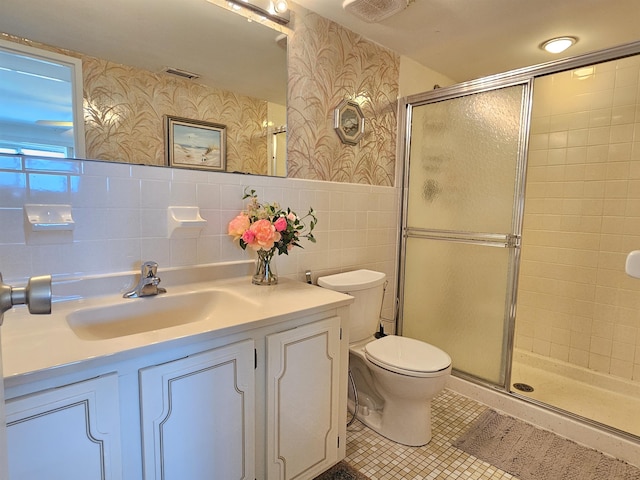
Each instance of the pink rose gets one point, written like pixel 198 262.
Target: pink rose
pixel 291 216
pixel 238 226
pixel 248 237
pixel 265 235
pixel 280 224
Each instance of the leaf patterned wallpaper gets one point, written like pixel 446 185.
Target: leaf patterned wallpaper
pixel 328 63
pixel 124 110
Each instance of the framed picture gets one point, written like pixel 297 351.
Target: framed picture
pixel 349 122
pixel 195 144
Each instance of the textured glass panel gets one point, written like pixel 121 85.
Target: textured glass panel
pixel 454 298
pixel 463 159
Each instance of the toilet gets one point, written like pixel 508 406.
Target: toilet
pixel 395 377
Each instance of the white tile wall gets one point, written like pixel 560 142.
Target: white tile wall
pixel 120 212
pixel 582 217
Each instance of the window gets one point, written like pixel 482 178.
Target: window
pixel 40 102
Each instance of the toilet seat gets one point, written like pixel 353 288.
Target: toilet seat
pixel 407 356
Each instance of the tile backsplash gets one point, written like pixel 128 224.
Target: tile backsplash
pixel 120 214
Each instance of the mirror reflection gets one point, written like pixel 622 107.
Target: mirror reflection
pixel 136 67
pixel 40 102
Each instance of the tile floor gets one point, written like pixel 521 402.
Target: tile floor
pixel 382 459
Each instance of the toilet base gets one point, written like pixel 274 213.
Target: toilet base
pixel 393 423
pixel 396 406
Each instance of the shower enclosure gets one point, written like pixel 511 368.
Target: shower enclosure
pixel 529 288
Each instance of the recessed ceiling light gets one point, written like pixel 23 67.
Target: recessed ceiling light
pixel 558 45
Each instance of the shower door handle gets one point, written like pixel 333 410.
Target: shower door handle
pixel 504 240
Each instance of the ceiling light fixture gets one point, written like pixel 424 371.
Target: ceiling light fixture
pixel 276 10
pixel 559 44
pixel 280 6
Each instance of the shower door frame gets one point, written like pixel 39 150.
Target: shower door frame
pixel 521 76
pixel 509 240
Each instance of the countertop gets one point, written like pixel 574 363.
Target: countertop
pixel 36 343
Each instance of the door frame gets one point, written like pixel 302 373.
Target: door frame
pixel 4 460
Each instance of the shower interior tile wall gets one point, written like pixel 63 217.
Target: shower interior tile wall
pixel 582 217
pixel 120 214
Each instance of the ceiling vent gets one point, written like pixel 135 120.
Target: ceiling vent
pixel 181 73
pixel 372 11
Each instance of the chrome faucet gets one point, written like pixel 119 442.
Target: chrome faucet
pixel 148 284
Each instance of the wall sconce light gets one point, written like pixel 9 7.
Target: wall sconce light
pixel 276 10
pixel 558 45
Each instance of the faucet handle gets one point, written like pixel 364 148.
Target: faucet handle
pixel 148 284
pixel 149 269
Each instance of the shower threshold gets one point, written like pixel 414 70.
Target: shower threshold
pixel 583 397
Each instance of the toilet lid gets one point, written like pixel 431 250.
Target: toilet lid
pixel 406 355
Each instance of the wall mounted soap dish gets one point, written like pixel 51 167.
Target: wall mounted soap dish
pixel 185 222
pixel 48 217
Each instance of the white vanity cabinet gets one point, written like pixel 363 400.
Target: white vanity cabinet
pixel 256 390
pixel 303 400
pixel 267 407
pixel 197 416
pixel 66 433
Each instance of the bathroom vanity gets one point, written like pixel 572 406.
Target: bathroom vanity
pixel 233 381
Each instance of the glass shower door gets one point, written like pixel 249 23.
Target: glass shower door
pixel 463 194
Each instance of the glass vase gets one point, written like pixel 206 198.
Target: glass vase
pixel 265 269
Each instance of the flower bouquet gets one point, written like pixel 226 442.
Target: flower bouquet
pixel 267 229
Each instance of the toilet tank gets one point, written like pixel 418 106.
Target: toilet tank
pixel 367 288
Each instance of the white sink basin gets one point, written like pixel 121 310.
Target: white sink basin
pixel 146 314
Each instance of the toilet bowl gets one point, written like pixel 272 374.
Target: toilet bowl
pixel 395 377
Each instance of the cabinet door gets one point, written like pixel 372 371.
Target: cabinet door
pixel 303 371
pixel 197 416
pixel 67 433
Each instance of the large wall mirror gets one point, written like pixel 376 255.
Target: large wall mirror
pixel 137 57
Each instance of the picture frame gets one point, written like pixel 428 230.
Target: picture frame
pixel 195 144
pixel 349 122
